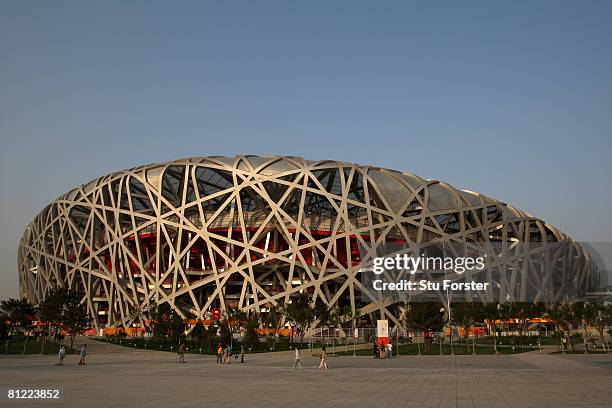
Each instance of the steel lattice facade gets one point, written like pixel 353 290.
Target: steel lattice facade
pixel 248 232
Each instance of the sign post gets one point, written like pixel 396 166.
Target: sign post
pixel 382 332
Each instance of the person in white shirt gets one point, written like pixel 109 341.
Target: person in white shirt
pixel 61 355
pixel 390 349
pixel 297 363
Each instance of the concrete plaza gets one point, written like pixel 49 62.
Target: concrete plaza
pixel 118 376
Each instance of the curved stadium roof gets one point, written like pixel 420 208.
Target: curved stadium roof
pixel 249 232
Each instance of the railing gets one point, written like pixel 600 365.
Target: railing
pixel 31 345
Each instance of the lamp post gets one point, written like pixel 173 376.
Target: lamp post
pixel 450 328
pixel 450 324
pixel 355 335
pixel 134 330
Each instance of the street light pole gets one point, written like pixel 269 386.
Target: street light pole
pixel 450 325
pixel 354 340
pixel 397 340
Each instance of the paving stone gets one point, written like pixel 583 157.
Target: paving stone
pixel 119 376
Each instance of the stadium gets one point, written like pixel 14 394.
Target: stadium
pixel 248 232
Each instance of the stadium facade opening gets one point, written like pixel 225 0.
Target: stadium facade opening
pixel 210 233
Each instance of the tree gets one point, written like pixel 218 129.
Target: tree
pixel 466 314
pixel 225 334
pixel 585 314
pixel 158 326
pixel 137 317
pixel 274 320
pixel 166 322
pixel 20 312
pixel 4 326
pixel 232 319
pixel 203 335
pixel 175 325
pixel 423 317
pixel 250 338
pixel 565 317
pixel 523 311
pixel 51 309
pixel 65 308
pixel 339 318
pixel 210 337
pixel 347 317
pixel 504 313
pixel 325 316
pixel 602 318
pixel 75 317
pixel 492 313
pixel 198 333
pixel 301 314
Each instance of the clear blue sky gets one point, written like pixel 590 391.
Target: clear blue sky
pixel 511 99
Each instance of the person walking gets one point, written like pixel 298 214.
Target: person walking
pixel 389 350
pixel 219 354
pixel 83 354
pixel 181 352
pixel 297 363
pixel 323 363
pixel 229 353
pixel 375 350
pixel 242 354
pixel 61 354
pixel 226 355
